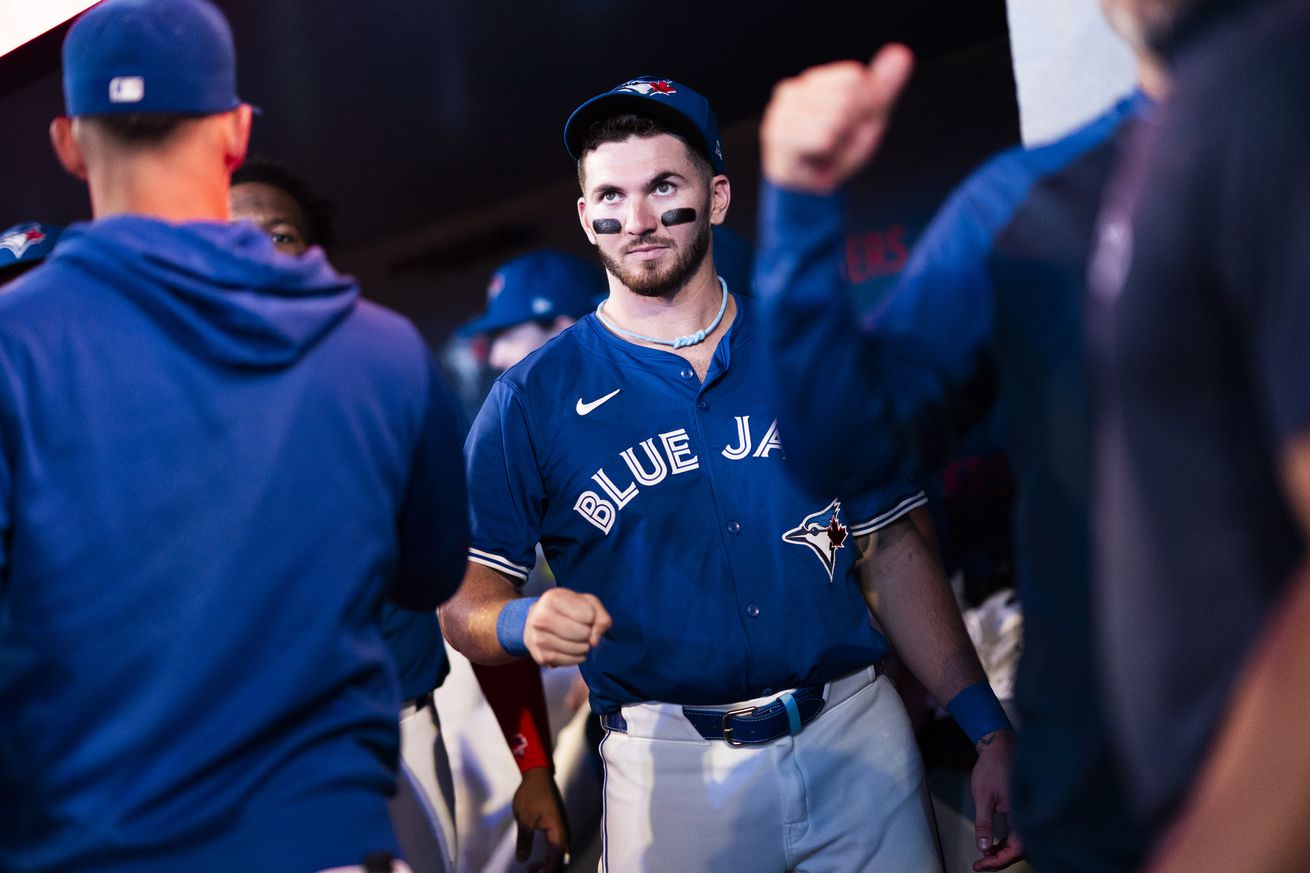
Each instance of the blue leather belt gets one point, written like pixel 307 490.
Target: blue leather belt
pixel 752 725
pixel 749 725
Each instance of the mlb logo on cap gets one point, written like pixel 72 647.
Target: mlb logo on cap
pixel 126 89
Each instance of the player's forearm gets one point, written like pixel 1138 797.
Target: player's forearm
pixel 515 695
pixel 903 581
pixel 1263 751
pixel 468 620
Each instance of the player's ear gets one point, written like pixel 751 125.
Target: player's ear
pixel 66 147
pixel 582 219
pixel 720 198
pixel 236 137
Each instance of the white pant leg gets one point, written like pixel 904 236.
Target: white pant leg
pixel 422 809
pixel 484 772
pixel 868 807
pixel 845 795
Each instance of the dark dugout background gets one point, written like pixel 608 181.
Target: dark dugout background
pixel 436 127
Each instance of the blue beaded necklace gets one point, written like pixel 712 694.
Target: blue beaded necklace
pixel 690 339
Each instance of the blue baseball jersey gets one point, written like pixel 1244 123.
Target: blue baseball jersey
pixel 670 500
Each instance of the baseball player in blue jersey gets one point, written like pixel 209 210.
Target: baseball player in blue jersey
pixel 712 602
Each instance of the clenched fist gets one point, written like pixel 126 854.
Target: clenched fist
pixel 824 125
pixel 563 626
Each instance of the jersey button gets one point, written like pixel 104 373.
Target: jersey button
pixel 734 527
pixel 687 372
pixel 702 405
pixel 753 611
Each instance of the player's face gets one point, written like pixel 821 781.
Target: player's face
pixel 275 212
pixel 636 182
pixel 513 344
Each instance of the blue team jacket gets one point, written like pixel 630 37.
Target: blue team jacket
pixel 214 462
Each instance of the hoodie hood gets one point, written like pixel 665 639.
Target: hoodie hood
pixel 220 290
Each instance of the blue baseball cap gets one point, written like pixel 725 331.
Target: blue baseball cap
pixel 150 56
pixel 26 245
pixel 662 99
pixel 538 286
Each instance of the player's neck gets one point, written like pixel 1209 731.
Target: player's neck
pixel 701 304
pixel 690 308
pixel 161 185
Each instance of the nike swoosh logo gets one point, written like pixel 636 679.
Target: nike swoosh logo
pixel 584 408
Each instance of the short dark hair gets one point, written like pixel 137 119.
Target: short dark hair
pixel 320 212
pixel 616 128
pixel 141 128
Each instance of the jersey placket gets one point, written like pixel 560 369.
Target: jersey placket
pixel 706 414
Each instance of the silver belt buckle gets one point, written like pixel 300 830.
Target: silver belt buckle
pixel 727 729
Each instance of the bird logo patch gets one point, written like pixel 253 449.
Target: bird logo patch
pixel 21 238
pixel 822 533
pixel 648 88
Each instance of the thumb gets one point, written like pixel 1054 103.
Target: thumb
pixel 982 824
pixel 886 75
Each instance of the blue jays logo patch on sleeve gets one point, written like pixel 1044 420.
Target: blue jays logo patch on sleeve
pixel 822 533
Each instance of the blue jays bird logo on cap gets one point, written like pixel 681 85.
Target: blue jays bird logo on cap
pixel 822 533
pixel 21 238
pixel 648 88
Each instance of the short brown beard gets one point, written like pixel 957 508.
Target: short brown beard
pixel 646 281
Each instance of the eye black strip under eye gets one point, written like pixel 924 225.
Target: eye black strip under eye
pixel 683 215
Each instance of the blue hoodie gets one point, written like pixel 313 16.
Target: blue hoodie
pixel 216 461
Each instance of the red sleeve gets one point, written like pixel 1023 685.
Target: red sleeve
pixel 516 697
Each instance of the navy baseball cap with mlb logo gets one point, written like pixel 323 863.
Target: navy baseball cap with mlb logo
pixel 150 56
pixel 539 286
pixel 665 100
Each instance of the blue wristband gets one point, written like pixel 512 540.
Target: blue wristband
pixel 510 623
pixel 977 711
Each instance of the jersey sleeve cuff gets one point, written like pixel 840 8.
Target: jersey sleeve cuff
pixel 906 505
pixel 496 562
